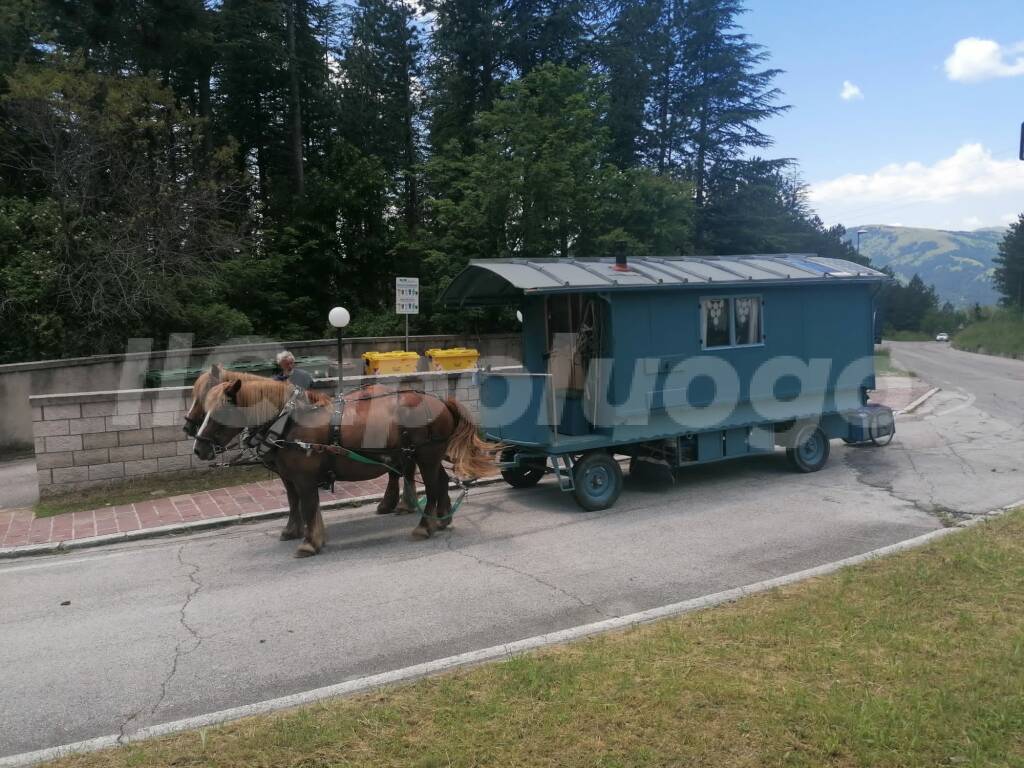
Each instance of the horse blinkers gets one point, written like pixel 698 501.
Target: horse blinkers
pixel 211 445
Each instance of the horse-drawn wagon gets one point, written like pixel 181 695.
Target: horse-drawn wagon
pixel 676 361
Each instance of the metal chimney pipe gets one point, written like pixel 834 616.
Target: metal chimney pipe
pixel 621 264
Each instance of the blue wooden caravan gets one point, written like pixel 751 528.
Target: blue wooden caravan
pixel 676 361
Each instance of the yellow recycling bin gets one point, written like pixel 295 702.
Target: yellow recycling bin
pixel 455 359
pixel 390 362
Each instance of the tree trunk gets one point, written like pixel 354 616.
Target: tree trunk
pixel 296 104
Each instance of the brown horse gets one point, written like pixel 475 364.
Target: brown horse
pixel 293 529
pixel 384 427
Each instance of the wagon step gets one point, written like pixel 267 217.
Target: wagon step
pixel 562 467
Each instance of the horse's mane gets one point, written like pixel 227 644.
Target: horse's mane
pixel 224 375
pixel 261 398
pixel 313 397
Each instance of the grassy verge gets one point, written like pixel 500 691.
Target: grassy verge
pixel 908 336
pixel 884 365
pixel 1001 335
pixel 149 488
pixel 915 660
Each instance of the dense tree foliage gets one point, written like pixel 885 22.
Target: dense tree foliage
pixel 242 166
pixel 1009 271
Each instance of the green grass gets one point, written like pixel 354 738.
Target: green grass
pixel 149 488
pixel 912 661
pixel 884 365
pixel 1000 335
pixel 908 336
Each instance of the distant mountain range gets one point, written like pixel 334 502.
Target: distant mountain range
pixel 958 264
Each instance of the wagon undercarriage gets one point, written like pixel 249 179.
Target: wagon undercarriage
pixel 594 475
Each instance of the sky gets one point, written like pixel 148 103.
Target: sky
pixel 904 112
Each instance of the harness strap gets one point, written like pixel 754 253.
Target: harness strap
pixel 337 450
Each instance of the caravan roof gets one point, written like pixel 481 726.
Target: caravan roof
pixel 503 281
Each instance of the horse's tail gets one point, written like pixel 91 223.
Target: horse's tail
pixel 470 455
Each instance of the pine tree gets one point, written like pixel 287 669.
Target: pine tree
pixel 379 104
pixel 1009 266
pixel 467 68
pixel 728 93
pixel 627 54
pixel 710 91
pixel 545 32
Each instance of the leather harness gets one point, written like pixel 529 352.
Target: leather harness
pixel 263 440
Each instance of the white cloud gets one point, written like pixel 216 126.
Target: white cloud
pixel 970 183
pixel 974 59
pixel 850 91
pixel 971 170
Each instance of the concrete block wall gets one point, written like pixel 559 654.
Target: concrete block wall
pixel 91 439
pixel 20 381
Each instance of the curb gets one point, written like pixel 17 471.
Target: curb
pixel 920 401
pixel 493 653
pixel 193 526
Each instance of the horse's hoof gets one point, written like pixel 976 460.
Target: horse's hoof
pixel 421 532
pixel 287 535
pixel 382 510
pixel 305 550
pixel 402 510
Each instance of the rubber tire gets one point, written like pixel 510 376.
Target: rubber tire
pixel 597 478
pixel 522 476
pixel 801 459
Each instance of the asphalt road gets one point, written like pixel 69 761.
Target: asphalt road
pixel 995 383
pixel 160 630
pixel 18 486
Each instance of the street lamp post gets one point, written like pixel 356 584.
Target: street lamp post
pixel 339 318
pixel 859 233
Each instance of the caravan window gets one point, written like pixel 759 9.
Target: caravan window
pixel 716 322
pixel 746 320
pixel 731 321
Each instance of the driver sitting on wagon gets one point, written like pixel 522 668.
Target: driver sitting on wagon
pixel 288 372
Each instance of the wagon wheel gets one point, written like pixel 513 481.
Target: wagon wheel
pixel 810 449
pixel 597 478
pixel 525 475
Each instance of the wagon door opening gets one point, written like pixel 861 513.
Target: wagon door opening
pixel 575 341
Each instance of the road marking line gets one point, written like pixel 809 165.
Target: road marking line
pixel 494 653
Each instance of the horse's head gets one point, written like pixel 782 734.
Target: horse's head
pixel 200 389
pixel 231 406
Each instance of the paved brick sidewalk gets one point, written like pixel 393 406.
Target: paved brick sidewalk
pixel 18 527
